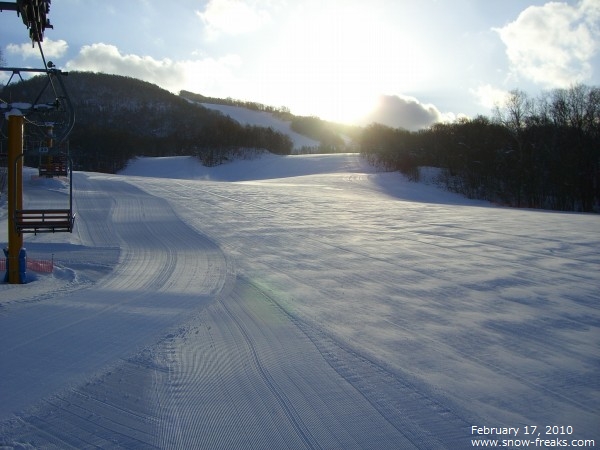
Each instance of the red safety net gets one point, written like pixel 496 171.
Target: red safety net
pixel 35 265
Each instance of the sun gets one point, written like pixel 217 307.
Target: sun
pixel 334 63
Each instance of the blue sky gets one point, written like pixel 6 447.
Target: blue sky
pixel 414 61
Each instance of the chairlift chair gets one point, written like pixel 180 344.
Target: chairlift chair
pixel 46 220
pixel 53 163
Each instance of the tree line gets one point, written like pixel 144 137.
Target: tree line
pixel 534 152
pixel 229 101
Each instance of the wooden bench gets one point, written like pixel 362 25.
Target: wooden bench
pixel 44 220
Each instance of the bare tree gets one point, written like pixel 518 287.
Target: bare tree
pixel 515 115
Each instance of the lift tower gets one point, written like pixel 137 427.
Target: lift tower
pixel 34 14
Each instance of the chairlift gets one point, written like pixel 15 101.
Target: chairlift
pixel 53 160
pixel 53 163
pixel 34 14
pixel 46 220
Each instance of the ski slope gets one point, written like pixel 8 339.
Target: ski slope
pixel 246 116
pixel 297 302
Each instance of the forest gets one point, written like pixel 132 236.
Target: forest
pixel 534 152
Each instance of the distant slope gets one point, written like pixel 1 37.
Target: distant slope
pixel 246 116
pixel 264 167
pixel 310 133
pixel 350 167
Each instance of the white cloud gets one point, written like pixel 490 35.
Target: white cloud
pixel 553 44
pixel 232 17
pixel 405 112
pixel 206 75
pixel 489 96
pixel 52 49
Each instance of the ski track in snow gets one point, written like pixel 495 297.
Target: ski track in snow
pixel 329 310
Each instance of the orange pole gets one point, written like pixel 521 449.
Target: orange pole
pixel 15 193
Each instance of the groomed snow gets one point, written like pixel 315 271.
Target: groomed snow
pixel 297 302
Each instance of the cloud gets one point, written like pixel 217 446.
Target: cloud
pixel 489 96
pixel 232 17
pixel 553 44
pixel 405 112
pixel 202 75
pixel 52 49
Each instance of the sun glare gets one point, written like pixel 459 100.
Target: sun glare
pixel 337 62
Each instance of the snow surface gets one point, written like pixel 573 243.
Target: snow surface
pixel 246 116
pixel 296 302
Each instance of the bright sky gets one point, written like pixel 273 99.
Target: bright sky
pixel 418 60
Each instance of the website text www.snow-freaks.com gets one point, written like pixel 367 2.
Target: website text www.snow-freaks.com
pixel 527 436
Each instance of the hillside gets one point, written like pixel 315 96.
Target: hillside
pixel 550 160
pixel 309 133
pixel 118 118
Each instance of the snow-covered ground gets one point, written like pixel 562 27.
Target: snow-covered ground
pixel 298 302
